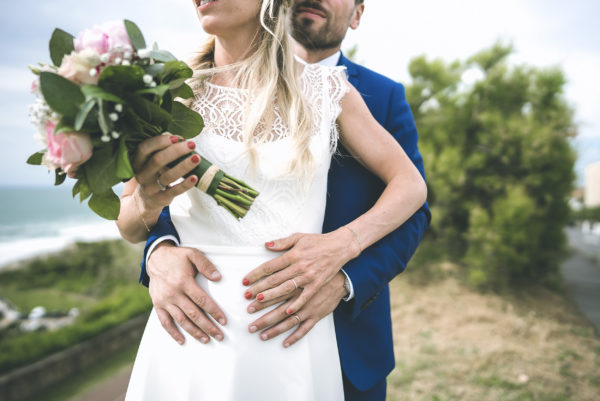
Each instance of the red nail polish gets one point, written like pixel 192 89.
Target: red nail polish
pixel 191 145
pixel 193 179
pixel 289 311
pixel 260 297
pixel 270 244
pixel 245 281
pixel 248 295
pixel 195 159
pixel 174 139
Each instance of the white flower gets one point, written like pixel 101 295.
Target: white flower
pixel 105 138
pixel 118 107
pixel 126 62
pixel 115 135
pixel 148 79
pixel 127 55
pixel 105 58
pixel 93 72
pixel 113 117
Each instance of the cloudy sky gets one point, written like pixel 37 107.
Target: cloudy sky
pixel 544 32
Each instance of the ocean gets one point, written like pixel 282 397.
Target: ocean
pixel 37 220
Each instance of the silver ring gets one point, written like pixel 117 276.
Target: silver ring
pixel 161 186
pixel 297 318
pixel 294 281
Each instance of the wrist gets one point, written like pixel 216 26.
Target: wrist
pixel 339 281
pixel 161 246
pixel 347 237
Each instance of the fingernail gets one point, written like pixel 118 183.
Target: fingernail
pixel 252 309
pixel 222 322
pixel 195 159
pixel 260 297
pixel 253 329
pixel 285 345
pixel 174 139
pixel 215 275
pixel 219 337
pixel 248 295
pixel 204 340
pixel 270 244
pixel 245 281
pixel 180 342
pixel 264 336
pixel 289 311
pixel 194 179
pixel 191 145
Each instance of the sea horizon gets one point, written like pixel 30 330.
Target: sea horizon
pixel 36 220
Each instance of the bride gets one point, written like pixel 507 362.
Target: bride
pixel 274 122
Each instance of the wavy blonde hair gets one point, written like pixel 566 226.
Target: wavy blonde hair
pixel 271 74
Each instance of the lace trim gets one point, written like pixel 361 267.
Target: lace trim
pixel 223 107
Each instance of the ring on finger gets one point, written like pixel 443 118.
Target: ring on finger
pixel 297 318
pixel 160 185
pixel 295 284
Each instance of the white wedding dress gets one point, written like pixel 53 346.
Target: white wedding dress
pixel 243 367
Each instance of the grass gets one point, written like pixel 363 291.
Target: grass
pixel 50 298
pixel 455 343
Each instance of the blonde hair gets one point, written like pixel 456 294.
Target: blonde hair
pixel 271 75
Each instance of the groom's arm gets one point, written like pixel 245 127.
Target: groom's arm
pixel 163 230
pixel 377 265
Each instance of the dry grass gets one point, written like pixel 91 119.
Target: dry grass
pixel 454 343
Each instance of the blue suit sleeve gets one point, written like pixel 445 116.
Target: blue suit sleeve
pixel 381 262
pixel 164 226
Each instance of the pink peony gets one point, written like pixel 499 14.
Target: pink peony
pixel 67 150
pixel 76 67
pixel 103 38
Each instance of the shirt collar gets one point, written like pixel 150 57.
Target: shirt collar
pixel 330 61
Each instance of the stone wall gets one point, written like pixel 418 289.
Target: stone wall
pixel 30 380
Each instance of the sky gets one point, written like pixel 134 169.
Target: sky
pixel 545 33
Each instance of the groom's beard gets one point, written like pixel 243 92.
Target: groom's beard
pixel 304 31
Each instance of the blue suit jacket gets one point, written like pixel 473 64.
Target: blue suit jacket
pixel 363 325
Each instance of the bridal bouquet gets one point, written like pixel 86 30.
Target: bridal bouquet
pixel 104 94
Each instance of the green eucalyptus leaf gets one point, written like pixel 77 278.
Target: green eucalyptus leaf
pixel 186 122
pixel 61 44
pixel 59 176
pixel 65 124
pixel 154 69
pixel 135 35
pixel 105 204
pixel 93 91
pixel 161 55
pixel 106 125
pixel 121 79
pixel 184 91
pixel 101 169
pixel 84 190
pixel 149 112
pixel 124 169
pixel 62 95
pixel 83 113
pixel 36 158
pixel 159 90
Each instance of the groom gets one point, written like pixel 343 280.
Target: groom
pixel 359 294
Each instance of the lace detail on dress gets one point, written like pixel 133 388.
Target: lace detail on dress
pixel 286 204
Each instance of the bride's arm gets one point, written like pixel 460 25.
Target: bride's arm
pixel 314 259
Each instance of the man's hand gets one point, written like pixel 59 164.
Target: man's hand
pixel 176 295
pixel 310 262
pixel 317 307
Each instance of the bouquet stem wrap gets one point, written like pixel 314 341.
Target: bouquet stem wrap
pixel 230 193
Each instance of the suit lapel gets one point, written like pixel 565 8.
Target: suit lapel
pixel 351 68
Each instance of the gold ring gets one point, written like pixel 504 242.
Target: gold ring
pixel 297 318
pixel 294 281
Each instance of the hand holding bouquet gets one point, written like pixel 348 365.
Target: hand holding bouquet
pixel 106 93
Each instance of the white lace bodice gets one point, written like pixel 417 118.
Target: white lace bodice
pixel 286 204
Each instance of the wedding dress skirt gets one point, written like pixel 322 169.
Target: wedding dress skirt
pixel 242 367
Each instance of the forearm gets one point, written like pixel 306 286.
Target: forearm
pixel 402 197
pixel 135 219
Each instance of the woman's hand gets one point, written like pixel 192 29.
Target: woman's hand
pixel 310 262
pixel 156 179
pixel 155 184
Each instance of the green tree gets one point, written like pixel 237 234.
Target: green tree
pixel 499 163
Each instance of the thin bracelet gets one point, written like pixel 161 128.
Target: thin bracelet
pixel 137 206
pixel 355 237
